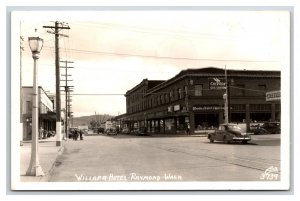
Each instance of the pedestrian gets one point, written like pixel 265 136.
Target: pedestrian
pixel 188 129
pixel 81 134
pixel 75 135
pixel 41 133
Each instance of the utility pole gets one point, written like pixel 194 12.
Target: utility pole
pixel 58 26
pixel 67 90
pixel 226 99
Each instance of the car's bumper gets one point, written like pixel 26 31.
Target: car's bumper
pixel 241 138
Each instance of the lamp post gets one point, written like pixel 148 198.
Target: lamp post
pixel 35 169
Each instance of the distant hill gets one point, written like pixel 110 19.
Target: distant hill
pixel 85 120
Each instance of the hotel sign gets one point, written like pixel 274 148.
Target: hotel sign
pixel 273 95
pixel 207 108
pixel 217 83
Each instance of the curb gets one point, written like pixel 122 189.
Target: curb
pixel 48 173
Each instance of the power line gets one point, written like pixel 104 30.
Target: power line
pixel 146 30
pixel 163 57
pixel 157 93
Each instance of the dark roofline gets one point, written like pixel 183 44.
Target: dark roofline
pixel 230 73
pixel 140 84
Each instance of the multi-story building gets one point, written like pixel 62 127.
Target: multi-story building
pixel 47 115
pixel 197 97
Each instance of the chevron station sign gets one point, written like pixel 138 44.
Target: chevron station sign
pixel 273 95
pixel 217 83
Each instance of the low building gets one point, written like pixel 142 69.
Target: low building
pixel 196 96
pixel 47 115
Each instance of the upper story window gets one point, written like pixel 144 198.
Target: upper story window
pixel 239 90
pixel 198 89
pixel 262 87
pixel 185 91
pixel 180 95
pixel 166 97
pixel 171 95
pixel 28 107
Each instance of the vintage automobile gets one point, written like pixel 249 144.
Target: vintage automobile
pixel 272 127
pixel 229 133
pixel 125 131
pixel 111 131
pixel 139 131
pixel 100 130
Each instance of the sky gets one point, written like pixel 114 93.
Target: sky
pixel 113 51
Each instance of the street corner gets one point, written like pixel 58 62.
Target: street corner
pixel 48 154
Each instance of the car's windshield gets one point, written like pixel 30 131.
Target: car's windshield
pixel 235 127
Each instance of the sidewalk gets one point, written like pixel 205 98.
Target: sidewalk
pixel 48 152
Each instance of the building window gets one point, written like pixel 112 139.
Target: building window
pixel 166 97
pixel 28 107
pixel 185 91
pixel 171 95
pixel 180 93
pixel 262 87
pixel 161 99
pixel 238 90
pixel 198 89
pixel 260 107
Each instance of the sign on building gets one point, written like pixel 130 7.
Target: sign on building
pixel 207 108
pixel 217 83
pixel 273 95
pixel 176 107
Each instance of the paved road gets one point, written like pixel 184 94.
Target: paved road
pixel 132 158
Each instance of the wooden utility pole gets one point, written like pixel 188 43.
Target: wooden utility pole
pixel 58 26
pixel 67 90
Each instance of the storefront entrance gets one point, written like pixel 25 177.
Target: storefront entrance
pixel 205 121
pixel 238 117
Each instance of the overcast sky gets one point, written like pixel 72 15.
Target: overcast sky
pixel 113 51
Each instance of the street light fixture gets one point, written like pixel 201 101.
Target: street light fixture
pixel 35 169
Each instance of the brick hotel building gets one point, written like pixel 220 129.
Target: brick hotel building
pixel 197 96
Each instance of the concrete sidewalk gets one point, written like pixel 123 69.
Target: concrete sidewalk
pixel 48 152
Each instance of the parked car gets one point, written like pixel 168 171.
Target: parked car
pixel 111 131
pixel 272 127
pixel 256 129
pixel 100 130
pixel 125 131
pixel 141 131
pixel 229 133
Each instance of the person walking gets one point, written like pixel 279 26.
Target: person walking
pixel 41 133
pixel 75 136
pixel 188 129
pixel 81 134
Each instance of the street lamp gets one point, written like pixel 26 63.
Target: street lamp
pixel 35 169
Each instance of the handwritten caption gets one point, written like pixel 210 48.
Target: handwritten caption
pixel 131 177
